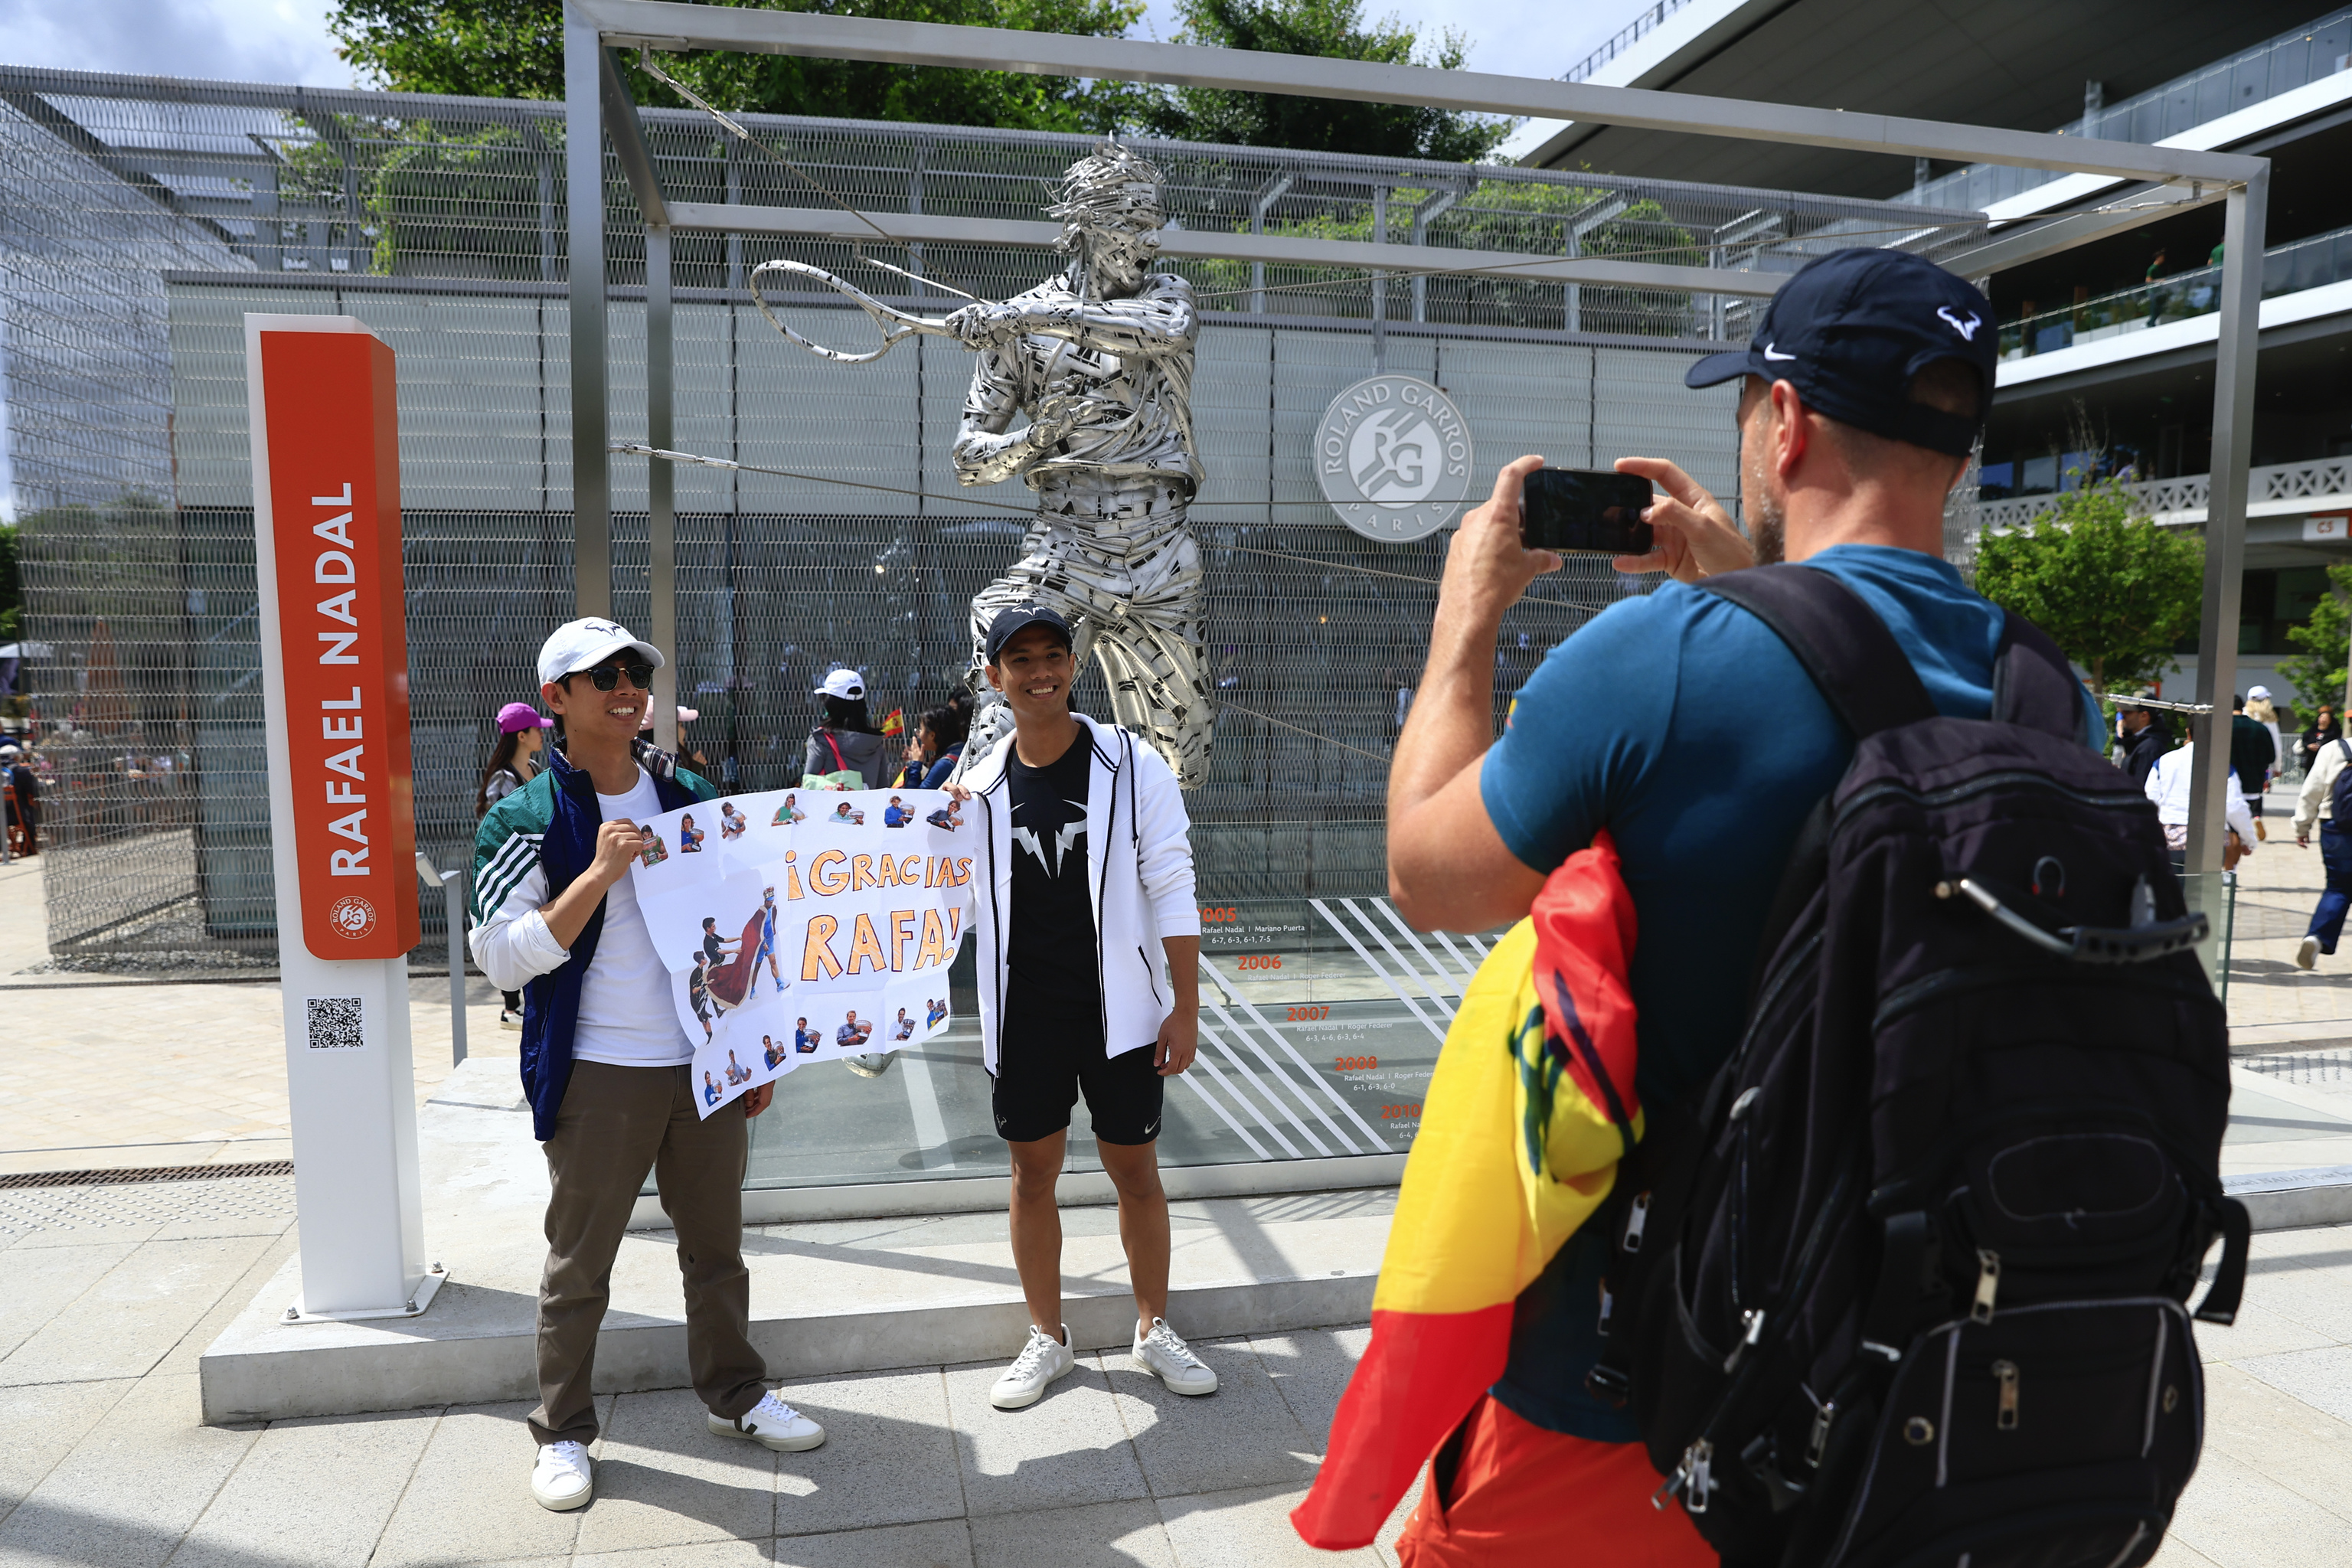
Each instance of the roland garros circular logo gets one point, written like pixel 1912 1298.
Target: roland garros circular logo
pixel 353 917
pixel 1392 452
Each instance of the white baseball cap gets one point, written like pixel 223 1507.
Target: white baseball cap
pixel 846 683
pixel 580 644
pixel 2258 694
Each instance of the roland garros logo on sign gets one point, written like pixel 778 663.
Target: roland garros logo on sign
pixel 1393 455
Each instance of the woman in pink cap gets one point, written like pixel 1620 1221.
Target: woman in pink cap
pixel 523 735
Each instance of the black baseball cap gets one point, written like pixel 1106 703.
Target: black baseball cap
pixel 1852 329
pixel 1010 623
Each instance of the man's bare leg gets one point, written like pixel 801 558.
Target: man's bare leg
pixel 1037 1228
pixel 1134 1170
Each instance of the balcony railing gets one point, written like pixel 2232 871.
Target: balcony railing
pixel 2252 76
pixel 2279 489
pixel 2288 269
pixel 1624 38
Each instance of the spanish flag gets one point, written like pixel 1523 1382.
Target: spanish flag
pixel 1530 1107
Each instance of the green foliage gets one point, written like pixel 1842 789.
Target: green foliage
pixel 1334 30
pixel 12 586
pixel 514 48
pixel 2114 591
pixel 2318 670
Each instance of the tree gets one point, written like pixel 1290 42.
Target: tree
pixel 12 585
pixel 2318 671
pixel 2114 591
pixel 1334 30
pixel 514 48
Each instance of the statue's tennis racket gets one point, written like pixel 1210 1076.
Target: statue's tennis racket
pixel 894 324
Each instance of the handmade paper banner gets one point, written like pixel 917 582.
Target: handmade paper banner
pixel 803 926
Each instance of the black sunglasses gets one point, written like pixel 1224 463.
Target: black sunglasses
pixel 607 676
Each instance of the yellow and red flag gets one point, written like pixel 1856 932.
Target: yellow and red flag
pixel 1530 1107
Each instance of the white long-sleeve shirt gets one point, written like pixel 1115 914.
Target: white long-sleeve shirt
pixel 2316 802
pixel 2168 785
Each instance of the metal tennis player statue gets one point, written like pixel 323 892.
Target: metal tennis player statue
pixel 1099 360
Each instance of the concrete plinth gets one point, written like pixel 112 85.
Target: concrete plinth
pixel 832 1294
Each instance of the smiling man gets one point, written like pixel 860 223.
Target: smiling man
pixel 605 1063
pixel 1089 981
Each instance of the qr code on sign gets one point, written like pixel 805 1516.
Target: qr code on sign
pixel 334 1022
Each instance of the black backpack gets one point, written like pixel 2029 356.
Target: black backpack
pixel 2339 796
pixel 1909 1288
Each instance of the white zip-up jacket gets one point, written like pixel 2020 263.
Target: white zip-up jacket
pixel 1140 880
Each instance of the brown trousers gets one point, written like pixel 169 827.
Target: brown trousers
pixel 616 1124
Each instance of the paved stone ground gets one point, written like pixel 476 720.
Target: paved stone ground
pixel 114 1291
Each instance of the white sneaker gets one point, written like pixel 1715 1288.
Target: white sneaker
pixel 1163 1351
pixel 871 1064
pixel 772 1424
pixel 1041 1361
pixel 562 1479
pixel 2307 955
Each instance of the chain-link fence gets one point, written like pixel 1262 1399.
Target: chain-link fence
pixel 141 219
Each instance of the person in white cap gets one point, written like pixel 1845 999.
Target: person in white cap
pixel 2262 709
pixel 844 739
pixel 605 1064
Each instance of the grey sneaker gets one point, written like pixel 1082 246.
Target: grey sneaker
pixel 563 1479
pixel 1163 1351
pixel 772 1424
pixel 871 1064
pixel 1041 1361
pixel 2307 955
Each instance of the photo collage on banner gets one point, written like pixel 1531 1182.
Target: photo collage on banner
pixel 802 925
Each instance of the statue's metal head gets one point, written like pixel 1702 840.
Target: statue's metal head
pixel 1109 195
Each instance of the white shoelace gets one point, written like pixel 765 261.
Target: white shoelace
pixel 773 1409
pixel 1170 1344
pixel 1034 1353
pixel 571 1456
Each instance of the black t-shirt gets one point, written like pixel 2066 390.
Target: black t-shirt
pixel 1051 956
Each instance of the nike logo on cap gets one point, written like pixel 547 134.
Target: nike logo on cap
pixel 1769 355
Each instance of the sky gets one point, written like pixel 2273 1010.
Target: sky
pixel 287 41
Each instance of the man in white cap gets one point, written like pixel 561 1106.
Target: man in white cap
pixel 605 1064
pixel 844 739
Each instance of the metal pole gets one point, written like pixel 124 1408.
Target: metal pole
pixel 583 168
pixel 2225 512
pixel 661 493
pixel 453 893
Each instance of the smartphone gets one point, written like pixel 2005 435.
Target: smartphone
pixel 1585 511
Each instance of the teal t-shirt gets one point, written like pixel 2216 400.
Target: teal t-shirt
pixel 1684 726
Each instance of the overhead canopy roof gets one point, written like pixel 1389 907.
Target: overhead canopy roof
pixel 2019 64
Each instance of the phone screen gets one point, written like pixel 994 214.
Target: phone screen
pixel 1585 511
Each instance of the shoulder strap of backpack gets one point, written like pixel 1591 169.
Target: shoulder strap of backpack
pixel 1859 668
pixel 2033 684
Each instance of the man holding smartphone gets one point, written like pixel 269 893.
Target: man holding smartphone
pixel 1683 725
pixel 605 1065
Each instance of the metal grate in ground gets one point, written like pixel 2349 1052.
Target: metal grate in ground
pixel 266 1202
pixel 145 1174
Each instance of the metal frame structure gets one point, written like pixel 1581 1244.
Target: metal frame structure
pixel 597 104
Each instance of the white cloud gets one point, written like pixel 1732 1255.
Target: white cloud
pixel 222 40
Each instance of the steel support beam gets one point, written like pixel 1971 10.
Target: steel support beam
pixel 2024 243
pixel 831 223
pixel 661 482
pixel 584 176
pixel 2225 514
pixel 664 25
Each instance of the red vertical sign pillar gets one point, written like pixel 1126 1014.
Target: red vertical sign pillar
pixel 334 644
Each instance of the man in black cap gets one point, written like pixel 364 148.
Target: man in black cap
pixel 1090 949
pixel 1681 724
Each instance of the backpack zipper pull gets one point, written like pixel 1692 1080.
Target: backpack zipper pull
pixel 1693 1481
pixel 1820 1445
pixel 1635 1218
pixel 1988 1285
pixel 1754 1320
pixel 2006 1371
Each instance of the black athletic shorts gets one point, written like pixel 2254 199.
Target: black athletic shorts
pixel 1041 1067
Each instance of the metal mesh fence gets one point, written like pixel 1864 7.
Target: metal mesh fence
pixel 140 220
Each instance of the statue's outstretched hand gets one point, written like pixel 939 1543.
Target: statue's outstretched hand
pixel 984 323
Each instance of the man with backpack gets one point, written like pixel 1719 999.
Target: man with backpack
pixel 2322 800
pixel 1688 726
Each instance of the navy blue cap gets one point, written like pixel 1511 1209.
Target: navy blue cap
pixel 1010 623
pixel 1852 329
